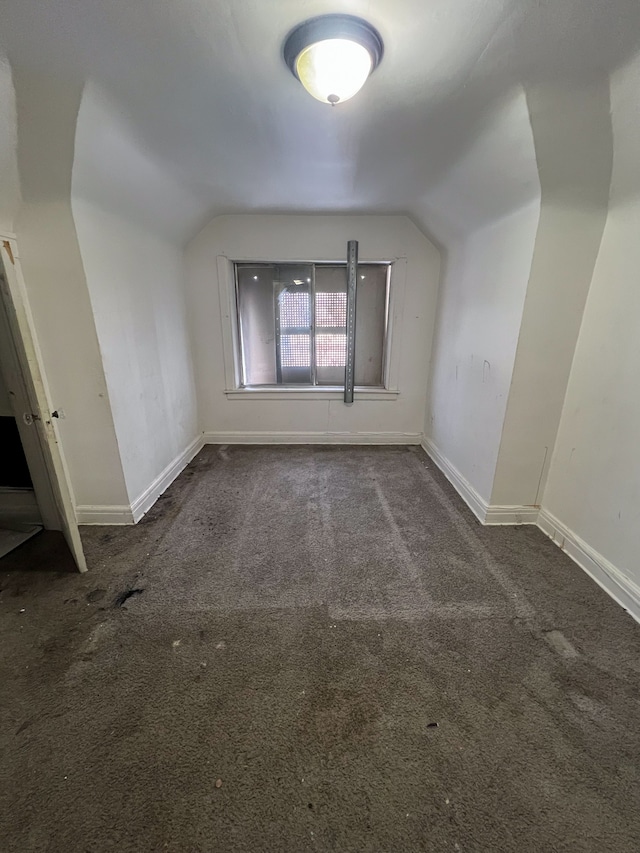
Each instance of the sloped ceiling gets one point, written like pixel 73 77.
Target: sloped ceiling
pixel 199 89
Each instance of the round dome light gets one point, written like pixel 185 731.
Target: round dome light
pixel 333 55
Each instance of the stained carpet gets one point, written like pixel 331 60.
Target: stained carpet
pixel 314 649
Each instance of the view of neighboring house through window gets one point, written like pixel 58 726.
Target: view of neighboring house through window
pixel 293 323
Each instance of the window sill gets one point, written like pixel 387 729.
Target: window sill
pixel 315 393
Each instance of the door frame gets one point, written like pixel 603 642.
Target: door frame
pixel 23 331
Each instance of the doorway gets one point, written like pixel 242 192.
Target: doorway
pixel 20 515
pixel 34 491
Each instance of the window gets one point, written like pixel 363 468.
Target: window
pixel 293 324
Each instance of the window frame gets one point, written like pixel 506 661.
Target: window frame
pixel 232 343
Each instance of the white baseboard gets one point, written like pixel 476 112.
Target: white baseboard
pixel 487 514
pixel 104 514
pixel 463 487
pixel 621 588
pixel 511 515
pixel 132 514
pixel 143 503
pixel 312 438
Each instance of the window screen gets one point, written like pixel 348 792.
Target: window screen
pixel 292 323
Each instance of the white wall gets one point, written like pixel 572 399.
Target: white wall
pixel 574 149
pixel 135 283
pixel 566 248
pixel 57 290
pixel 9 187
pixel 9 179
pixel 495 174
pixel 479 313
pixel 133 262
pixel 272 238
pixel 593 486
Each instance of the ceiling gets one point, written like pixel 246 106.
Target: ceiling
pixel 200 87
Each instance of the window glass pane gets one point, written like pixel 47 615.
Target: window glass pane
pixel 331 350
pixel 295 310
pixel 257 322
pixel 371 311
pixel 274 307
pixel 331 309
pixel 293 287
pixel 331 323
pixel 295 350
pixel 292 323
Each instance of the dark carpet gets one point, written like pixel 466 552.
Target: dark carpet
pixel 315 649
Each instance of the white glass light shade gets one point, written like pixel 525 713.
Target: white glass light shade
pixel 334 70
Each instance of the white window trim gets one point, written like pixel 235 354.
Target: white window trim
pixel 231 343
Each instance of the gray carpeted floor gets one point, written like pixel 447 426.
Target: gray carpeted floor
pixel 315 649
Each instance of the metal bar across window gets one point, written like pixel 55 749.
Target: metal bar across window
pixel 352 277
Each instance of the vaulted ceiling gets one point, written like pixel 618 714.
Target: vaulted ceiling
pixel 190 101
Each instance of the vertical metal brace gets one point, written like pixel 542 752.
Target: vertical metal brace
pixel 276 306
pixel 352 278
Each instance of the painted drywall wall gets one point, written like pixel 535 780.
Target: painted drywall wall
pixel 495 174
pixel 480 308
pixel 9 178
pixel 134 270
pixel 135 282
pixel 115 169
pixel 272 238
pixel 574 148
pixel 57 290
pixel 593 486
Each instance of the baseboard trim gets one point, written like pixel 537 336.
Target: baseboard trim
pixel 621 588
pixel 487 514
pixel 123 514
pixel 616 584
pixel 143 503
pixel 312 438
pixel 496 515
pixel 463 487
pixel 104 514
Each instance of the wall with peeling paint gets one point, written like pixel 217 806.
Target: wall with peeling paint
pixel 593 486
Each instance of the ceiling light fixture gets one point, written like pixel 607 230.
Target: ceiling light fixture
pixel 333 55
